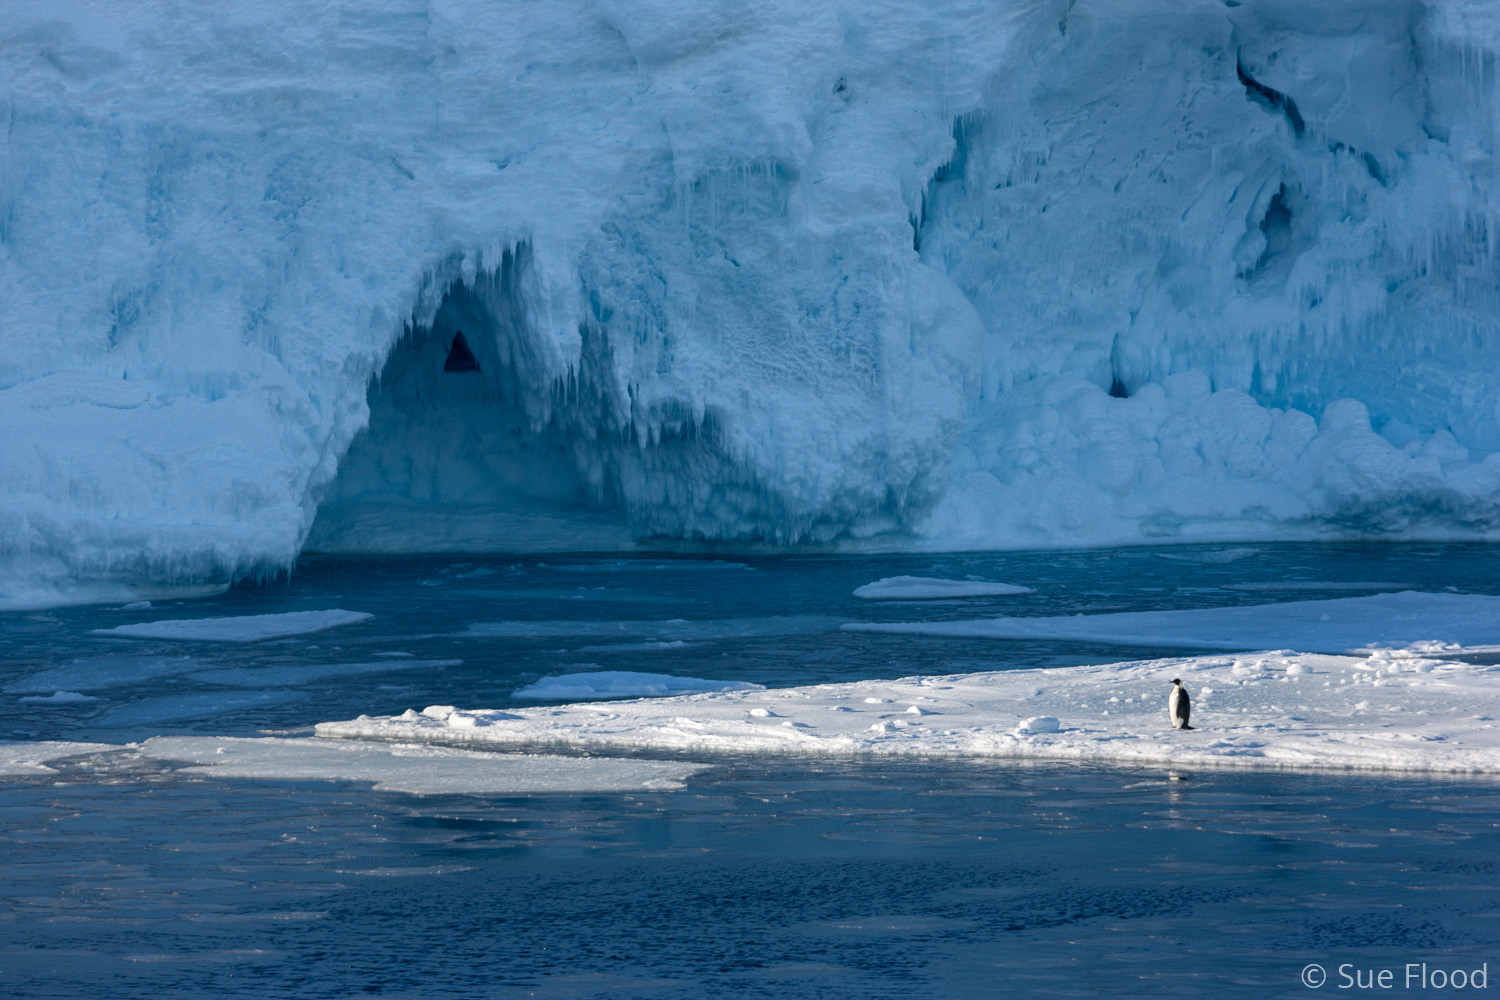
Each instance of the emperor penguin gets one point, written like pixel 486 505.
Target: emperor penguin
pixel 1179 706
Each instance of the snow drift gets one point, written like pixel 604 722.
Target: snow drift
pixel 964 275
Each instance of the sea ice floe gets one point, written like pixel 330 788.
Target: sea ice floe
pixel 1272 710
pixel 422 770
pixel 198 705
pixel 1214 557
pixel 292 676
pixel 929 587
pixel 34 758
pixel 98 672
pixel 242 628
pixel 623 684
pixel 670 629
pixel 1344 625
pixel 58 698
pixel 1279 586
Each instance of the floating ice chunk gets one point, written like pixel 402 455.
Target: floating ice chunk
pixel 1218 556
pixel 1347 624
pixel 413 769
pixel 203 705
pixel 33 758
pixel 291 676
pixel 439 712
pixel 97 672
pixel 624 684
pixel 926 587
pixel 672 629
pixel 1039 724
pixel 244 628
pixel 1324 585
pixel 645 566
pixel 58 698
pixel 461 720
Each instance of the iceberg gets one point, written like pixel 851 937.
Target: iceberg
pixel 446 276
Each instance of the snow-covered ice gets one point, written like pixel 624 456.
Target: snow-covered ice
pixel 1438 622
pixel 421 770
pixel 241 628
pixel 952 275
pixel 1391 711
pixel 624 684
pixel 925 587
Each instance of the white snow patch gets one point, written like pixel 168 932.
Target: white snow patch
pixel 419 770
pixel 1448 622
pixel 624 684
pixel 1435 721
pixel 925 587
pixel 243 628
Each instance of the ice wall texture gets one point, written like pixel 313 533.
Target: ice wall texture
pixel 949 274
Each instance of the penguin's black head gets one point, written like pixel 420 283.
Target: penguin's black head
pixel 1176 681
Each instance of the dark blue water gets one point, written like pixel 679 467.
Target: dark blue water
pixel 125 877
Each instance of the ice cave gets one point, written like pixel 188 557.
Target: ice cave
pixel 966 276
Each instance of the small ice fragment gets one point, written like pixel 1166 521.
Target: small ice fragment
pixel 136 606
pixel 58 698
pixel 410 715
pixel 881 727
pixel 877 701
pixel 841 708
pixel 462 720
pixel 439 712
pixel 763 713
pixel 1039 724
pixel 916 710
pixel 1294 669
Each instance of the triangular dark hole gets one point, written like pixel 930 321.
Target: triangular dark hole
pixel 460 358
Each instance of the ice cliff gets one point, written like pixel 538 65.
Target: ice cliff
pixel 942 274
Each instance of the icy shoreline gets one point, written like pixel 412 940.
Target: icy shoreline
pixel 1392 711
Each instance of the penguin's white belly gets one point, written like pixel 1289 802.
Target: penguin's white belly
pixel 1174 708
